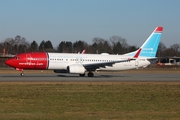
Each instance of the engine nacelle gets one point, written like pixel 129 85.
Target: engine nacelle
pixel 76 69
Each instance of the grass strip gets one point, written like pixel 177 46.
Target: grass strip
pixel 91 100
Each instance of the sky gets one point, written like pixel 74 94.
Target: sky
pixel 73 20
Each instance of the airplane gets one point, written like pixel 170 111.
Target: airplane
pixel 82 63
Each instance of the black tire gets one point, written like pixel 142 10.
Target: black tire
pixel 82 75
pixel 90 74
pixel 22 74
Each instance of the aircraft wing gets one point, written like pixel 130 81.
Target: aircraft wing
pixel 94 66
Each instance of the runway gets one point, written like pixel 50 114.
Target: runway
pixel 99 77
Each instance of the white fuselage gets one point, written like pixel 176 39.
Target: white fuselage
pixel 59 61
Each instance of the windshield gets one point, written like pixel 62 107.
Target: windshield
pixel 17 57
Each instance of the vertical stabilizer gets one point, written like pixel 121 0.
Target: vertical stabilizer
pixel 150 46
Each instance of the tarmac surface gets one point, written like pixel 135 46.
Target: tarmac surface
pixel 98 77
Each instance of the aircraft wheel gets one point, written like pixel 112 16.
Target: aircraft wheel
pixel 90 74
pixel 82 75
pixel 22 74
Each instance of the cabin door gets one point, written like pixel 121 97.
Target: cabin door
pixel 28 58
pixel 137 62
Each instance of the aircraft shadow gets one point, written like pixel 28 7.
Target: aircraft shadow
pixel 64 75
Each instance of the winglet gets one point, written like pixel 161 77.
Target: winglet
pixel 137 54
pixel 84 51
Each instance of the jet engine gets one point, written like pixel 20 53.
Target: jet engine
pixel 76 69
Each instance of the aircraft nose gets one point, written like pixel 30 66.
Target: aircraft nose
pixel 9 62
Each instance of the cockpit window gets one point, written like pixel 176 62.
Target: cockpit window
pixel 17 57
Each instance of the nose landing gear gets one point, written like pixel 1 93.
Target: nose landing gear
pixel 22 74
pixel 19 69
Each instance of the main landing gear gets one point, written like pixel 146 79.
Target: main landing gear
pixel 90 74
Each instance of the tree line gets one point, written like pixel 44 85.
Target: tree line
pixel 114 45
